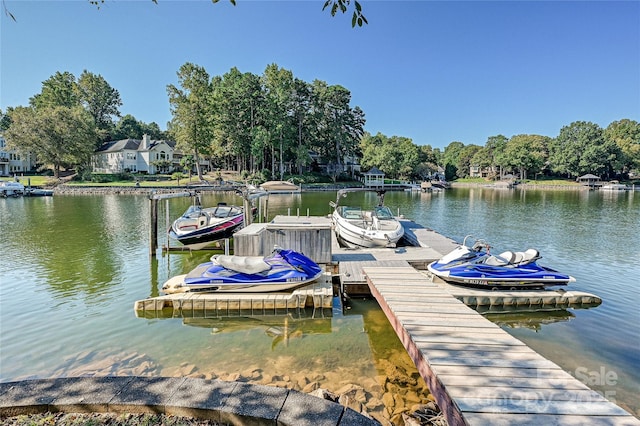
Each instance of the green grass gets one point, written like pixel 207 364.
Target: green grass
pixel 472 180
pixel 143 184
pixel 35 180
pixel 559 182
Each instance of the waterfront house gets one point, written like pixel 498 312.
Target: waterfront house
pixel 12 162
pixel 139 156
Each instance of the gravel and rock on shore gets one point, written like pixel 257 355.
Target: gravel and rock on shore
pixel 395 398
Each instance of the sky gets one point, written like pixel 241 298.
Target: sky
pixel 432 71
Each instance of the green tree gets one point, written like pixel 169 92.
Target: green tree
pixel 579 149
pixel 483 160
pixel 191 124
pixel 278 90
pixel 450 159
pixel 527 153
pixel 339 127
pixel 397 156
pixel 101 101
pixel 463 163
pixel 343 5
pixel 301 109
pixel 625 134
pixel 153 130
pixel 235 105
pixel 60 89
pixel 128 128
pixel 5 119
pixel 428 162
pixel 187 163
pixel 496 146
pixel 57 135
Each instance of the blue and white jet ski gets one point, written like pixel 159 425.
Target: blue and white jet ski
pixel 280 271
pixel 475 266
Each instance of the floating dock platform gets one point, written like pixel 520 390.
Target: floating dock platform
pixel 318 295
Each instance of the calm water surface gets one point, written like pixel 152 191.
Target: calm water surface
pixel 73 266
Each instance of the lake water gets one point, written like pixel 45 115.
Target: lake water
pixel 73 266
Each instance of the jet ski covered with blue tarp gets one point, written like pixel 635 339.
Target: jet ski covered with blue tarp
pixel 475 266
pixel 280 271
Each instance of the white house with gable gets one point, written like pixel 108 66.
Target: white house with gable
pixel 134 155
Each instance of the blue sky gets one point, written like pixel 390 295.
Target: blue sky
pixel 432 71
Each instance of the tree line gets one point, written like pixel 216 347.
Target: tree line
pixel 268 124
pixel 580 148
pixel 243 121
pixel 262 123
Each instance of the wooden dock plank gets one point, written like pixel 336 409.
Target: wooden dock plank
pixel 503 362
pixel 549 373
pixel 523 394
pixel 480 348
pixel 484 382
pixel 510 419
pixel 482 327
pixel 529 355
pixel 597 406
pixel 437 320
pixel 453 308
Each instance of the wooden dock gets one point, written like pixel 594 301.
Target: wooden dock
pixel 478 373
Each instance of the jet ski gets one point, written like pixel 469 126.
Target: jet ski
pixel 280 271
pixel 475 266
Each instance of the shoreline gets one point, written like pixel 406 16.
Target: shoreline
pixel 138 190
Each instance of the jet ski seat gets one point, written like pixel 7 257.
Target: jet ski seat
pixel 518 258
pixel 243 264
pixel 528 256
pixel 502 259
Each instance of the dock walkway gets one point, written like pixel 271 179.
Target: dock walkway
pixel 478 373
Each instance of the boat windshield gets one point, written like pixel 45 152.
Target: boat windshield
pixel 351 212
pixel 192 212
pixel 383 212
pixel 226 211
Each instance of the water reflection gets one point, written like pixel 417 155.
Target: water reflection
pixel 281 329
pixel 531 320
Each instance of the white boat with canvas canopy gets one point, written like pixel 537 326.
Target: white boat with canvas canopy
pixel 356 227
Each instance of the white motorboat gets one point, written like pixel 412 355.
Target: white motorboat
pixel 356 227
pixel 614 185
pixel 201 226
pixel 11 189
pixel 280 187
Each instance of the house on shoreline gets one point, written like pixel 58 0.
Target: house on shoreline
pixel 139 156
pixel 12 162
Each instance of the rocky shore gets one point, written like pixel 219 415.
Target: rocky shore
pixel 394 398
